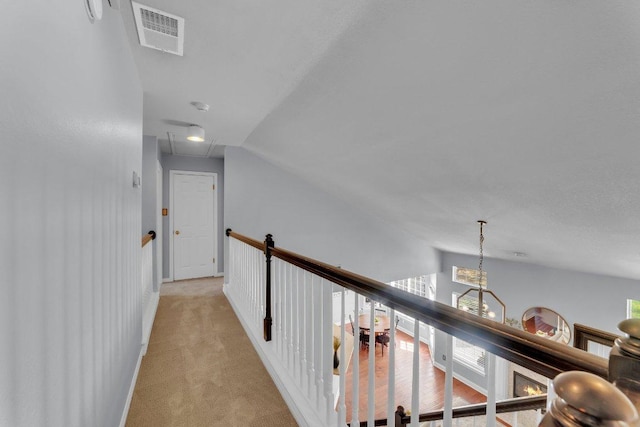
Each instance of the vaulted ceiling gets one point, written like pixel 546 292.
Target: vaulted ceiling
pixel 430 114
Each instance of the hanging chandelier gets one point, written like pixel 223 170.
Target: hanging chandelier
pixel 479 305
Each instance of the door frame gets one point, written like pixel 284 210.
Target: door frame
pixel 159 231
pixel 172 174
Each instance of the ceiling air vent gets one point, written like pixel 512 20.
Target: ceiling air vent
pixel 159 30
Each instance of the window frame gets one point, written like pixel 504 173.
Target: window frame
pixel 633 309
pixel 465 353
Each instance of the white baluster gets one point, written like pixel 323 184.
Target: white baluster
pixel 275 303
pixel 290 320
pixel 249 284
pixel 342 406
pixel 244 268
pixel 286 307
pixel 391 395
pixel 448 382
pixel 491 389
pixel 327 350
pixel 255 298
pixel 301 329
pixel 308 295
pixel 317 340
pixel 283 310
pixel 239 269
pixel 371 401
pixel 245 278
pixel 415 383
pixel 260 290
pixel 294 323
pixel 255 288
pixel 355 395
pixel 312 343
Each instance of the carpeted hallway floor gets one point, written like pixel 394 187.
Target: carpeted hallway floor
pixel 200 368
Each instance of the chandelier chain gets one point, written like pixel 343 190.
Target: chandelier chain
pixel 482 223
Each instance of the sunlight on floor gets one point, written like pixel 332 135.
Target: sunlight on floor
pixel 407 346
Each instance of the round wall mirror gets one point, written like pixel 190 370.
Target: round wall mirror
pixel 546 323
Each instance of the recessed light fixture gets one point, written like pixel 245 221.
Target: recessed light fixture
pixel 195 134
pixel 519 254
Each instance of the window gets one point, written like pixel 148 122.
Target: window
pixel 423 286
pixel 633 309
pixel 464 353
pixel 468 276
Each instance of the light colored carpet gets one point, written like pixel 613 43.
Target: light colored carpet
pixel 200 368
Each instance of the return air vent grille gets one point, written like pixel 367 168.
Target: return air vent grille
pixel 159 30
pixel 160 23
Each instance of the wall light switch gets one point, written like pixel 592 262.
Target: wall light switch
pixel 136 180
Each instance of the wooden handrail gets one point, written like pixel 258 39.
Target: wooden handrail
pixel 506 406
pixel 538 354
pixel 582 334
pixel 502 407
pixel 248 240
pixel 146 239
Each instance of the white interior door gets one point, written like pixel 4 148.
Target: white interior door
pixel 159 236
pixel 193 225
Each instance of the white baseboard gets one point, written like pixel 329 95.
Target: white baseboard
pixel 167 280
pixel 219 274
pixel 132 387
pixel 462 379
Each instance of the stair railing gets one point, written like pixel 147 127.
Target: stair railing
pixel 292 298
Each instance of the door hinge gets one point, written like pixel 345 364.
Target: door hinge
pixel 214 260
pixel 214 187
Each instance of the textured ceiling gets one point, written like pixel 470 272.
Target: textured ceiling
pixel 430 114
pixel 240 57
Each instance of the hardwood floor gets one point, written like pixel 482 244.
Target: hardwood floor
pixel 431 381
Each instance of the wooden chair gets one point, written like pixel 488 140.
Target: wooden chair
pixel 364 338
pixel 364 335
pixel 353 329
pixel 383 339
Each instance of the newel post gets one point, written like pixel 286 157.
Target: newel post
pixel 268 321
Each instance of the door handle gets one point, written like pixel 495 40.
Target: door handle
pixel 177 232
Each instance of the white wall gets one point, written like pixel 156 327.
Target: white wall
pixel 261 198
pixel 150 158
pixel 589 299
pixel 70 118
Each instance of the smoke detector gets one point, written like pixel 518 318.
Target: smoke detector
pixel 200 106
pixel 159 30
